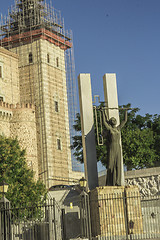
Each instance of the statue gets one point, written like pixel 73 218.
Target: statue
pixel 114 155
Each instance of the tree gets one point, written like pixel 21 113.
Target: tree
pixel 77 143
pixel 140 140
pixel 14 170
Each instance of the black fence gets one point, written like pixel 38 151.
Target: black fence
pixel 38 222
pixel 118 216
pixel 113 216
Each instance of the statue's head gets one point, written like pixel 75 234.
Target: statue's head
pixel 112 121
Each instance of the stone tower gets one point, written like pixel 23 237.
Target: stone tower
pixel 36 34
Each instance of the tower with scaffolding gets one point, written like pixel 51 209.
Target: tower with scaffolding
pixel 35 32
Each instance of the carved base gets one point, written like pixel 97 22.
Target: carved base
pixel 115 211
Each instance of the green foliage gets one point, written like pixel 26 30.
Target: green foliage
pixel 77 143
pixel 140 140
pixel 77 140
pixel 14 170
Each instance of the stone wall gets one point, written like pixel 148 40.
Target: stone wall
pixel 147 180
pixel 19 121
pixel 9 76
pixel 5 117
pixel 23 126
pixel 109 211
pixel 43 131
pixel 16 120
pixel 43 82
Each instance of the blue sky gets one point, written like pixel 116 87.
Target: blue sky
pixel 116 36
pixel 121 36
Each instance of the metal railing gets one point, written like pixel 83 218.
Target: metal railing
pixel 118 216
pixel 111 217
pixel 38 222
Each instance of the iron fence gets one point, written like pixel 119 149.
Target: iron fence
pixel 77 217
pixel 107 217
pixel 37 222
pixel 121 217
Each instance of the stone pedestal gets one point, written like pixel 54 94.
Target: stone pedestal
pixel 134 211
pixel 115 211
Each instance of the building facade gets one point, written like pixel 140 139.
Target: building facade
pixel 16 120
pixel 34 44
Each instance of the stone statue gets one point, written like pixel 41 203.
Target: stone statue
pixel 114 155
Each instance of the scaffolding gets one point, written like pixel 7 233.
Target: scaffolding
pixel 27 21
pixel 33 15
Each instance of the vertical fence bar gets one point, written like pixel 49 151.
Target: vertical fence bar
pixel 63 225
pixel 85 215
pixel 89 218
pixel 81 214
pixel 85 227
pixel 54 214
pixel 125 213
pixel 30 223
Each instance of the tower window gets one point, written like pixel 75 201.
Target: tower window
pixel 1 99
pixel 56 106
pixel 57 61
pixel 48 58
pixel 59 144
pixel 30 58
pixel 0 71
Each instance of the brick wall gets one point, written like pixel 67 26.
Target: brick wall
pixel 16 120
pixel 9 80
pixel 19 121
pixel 43 82
pixel 23 126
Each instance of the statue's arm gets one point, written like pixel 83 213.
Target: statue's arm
pixel 105 122
pixel 124 121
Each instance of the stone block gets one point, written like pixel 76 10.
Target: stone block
pixel 134 211
pixel 115 211
pixel 107 211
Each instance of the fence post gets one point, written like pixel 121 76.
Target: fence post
pixel 85 215
pixel 89 218
pixel 5 219
pixel 125 214
pixel 63 225
pixel 81 216
pixel 54 215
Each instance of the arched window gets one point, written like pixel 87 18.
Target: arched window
pixel 57 61
pixel 56 106
pixel 48 58
pixel 30 58
pixel 0 71
pixel 59 147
